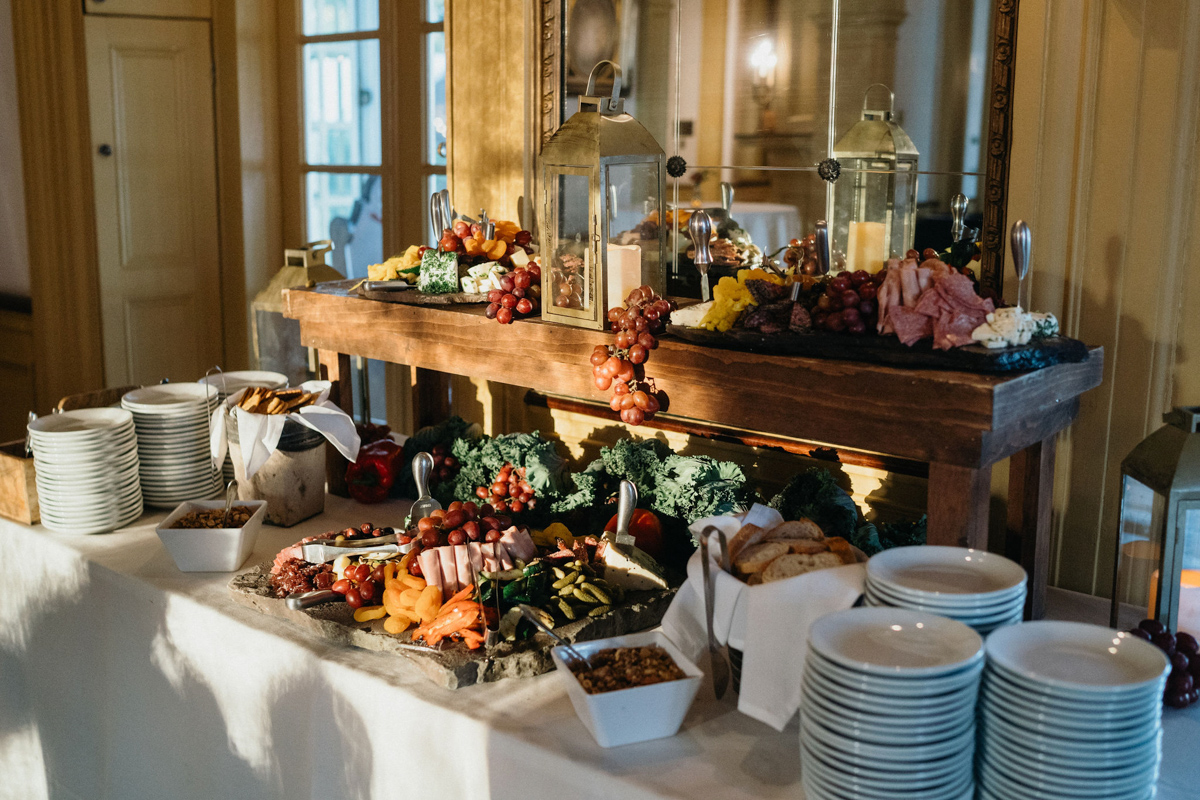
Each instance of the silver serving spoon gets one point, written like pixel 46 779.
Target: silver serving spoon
pixel 726 197
pixel 425 505
pixel 231 492
pixel 1022 251
pixel 700 229
pixel 720 665
pixel 530 614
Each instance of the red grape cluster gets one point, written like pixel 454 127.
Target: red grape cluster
pixel 445 465
pixel 1183 686
pixel 360 584
pixel 620 366
pixel 519 295
pixel 459 524
pixel 848 303
pixel 509 492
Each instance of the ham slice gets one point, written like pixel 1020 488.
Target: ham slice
pixel 924 279
pixel 889 297
pixel 519 544
pixel 506 561
pixel 431 568
pixel 449 570
pixel 949 310
pixel 910 288
pixel 475 555
pixel 491 561
pixel 462 560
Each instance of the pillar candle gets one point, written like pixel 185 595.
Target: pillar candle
pixel 624 272
pixel 866 247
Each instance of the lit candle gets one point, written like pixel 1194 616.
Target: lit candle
pixel 624 272
pixel 865 247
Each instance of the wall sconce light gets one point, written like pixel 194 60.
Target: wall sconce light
pixel 762 65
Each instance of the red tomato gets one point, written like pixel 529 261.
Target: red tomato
pixel 645 529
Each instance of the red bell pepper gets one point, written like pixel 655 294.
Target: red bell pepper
pixel 370 479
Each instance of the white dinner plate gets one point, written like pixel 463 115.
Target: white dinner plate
pixel 56 449
pixel 867 730
pixel 895 641
pixel 228 383
pixel 70 424
pixel 929 709
pixel 903 693
pixel 854 748
pixel 166 395
pixel 981 612
pixel 1009 785
pixel 933 771
pixel 940 571
pixel 1077 658
pixel 1110 753
pixel 864 784
pixel 1005 685
pixel 1022 711
pixel 1077 772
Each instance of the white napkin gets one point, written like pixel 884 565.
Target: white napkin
pixel 258 434
pixel 769 623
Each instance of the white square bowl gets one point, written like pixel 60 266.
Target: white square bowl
pixel 211 549
pixel 632 715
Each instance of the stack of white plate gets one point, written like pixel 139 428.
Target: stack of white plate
pixel 87 470
pixel 1069 710
pixel 173 422
pixel 228 383
pixel 974 587
pixel 887 706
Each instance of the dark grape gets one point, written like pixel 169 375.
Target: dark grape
pixel 457 537
pixel 491 310
pixel 1182 683
pixel 1152 626
pixel 840 284
pixel 507 283
pixel 868 291
pixel 867 308
pixel 835 322
pixel 508 301
pixel 1179 663
pixel 1140 633
pixel 430 539
pixel 859 277
pixel 1164 641
pixel 648 341
pixel 615 314
pixel 851 316
pixel 505 315
pixel 1186 643
pixel 524 306
pixel 494 296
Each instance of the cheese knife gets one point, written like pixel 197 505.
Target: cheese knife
pixel 627 498
pixel 1022 250
pixel 700 229
pixel 422 466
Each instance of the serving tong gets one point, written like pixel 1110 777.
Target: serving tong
pixel 717 657
pixel 821 230
pixel 529 613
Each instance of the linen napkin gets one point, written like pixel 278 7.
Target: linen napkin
pixel 258 434
pixel 769 623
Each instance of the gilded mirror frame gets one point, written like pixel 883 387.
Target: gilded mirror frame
pixel 545 96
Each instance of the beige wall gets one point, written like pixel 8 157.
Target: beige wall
pixel 1104 170
pixel 14 267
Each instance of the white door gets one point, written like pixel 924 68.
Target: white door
pixel 150 91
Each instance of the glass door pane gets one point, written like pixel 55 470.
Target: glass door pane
pixel 340 16
pixel 349 210
pixel 342 125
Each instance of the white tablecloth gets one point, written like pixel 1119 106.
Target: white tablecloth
pixel 121 677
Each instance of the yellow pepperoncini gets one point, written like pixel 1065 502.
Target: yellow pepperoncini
pixel 730 298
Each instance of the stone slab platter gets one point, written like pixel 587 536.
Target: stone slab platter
pixel 412 297
pixel 456 666
pixel 888 349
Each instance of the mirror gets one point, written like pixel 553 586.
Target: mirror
pixel 754 93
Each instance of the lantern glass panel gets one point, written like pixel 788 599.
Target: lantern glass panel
pixel 571 256
pixel 874 211
pixel 1189 579
pixel 1143 523
pixel 633 200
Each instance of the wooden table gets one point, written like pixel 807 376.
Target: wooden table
pixel 960 423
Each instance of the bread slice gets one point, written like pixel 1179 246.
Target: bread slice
pixel 842 548
pixel 756 557
pixel 794 564
pixel 806 546
pixel 748 535
pixel 797 529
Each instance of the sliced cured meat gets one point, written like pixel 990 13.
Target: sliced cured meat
pixel 937 267
pixel 932 304
pixel 800 320
pixel 519 544
pixel 449 570
pixel 506 561
pixel 954 330
pixel 431 568
pixel 924 278
pixel 910 289
pixel 491 561
pixel 475 554
pixel 911 325
pixel 960 292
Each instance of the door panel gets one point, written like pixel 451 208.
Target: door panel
pixel 151 102
pixel 150 8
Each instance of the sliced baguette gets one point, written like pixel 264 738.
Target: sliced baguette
pixel 748 535
pixel 797 529
pixel 842 548
pixel 805 546
pixel 756 557
pixel 794 564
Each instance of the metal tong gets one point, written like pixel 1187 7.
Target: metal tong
pixel 441 213
pixel 720 664
pixel 700 228
pixel 530 614
pixel 821 229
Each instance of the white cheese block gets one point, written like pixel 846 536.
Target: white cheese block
pixel 519 257
pixel 469 285
pixel 632 570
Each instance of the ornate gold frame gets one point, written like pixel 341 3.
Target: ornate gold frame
pixel 546 91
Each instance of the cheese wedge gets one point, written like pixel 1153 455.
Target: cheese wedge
pixel 633 570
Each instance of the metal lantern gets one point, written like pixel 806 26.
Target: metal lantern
pixel 1157 571
pixel 603 183
pixel 875 201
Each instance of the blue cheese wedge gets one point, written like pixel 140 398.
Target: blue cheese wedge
pixel 633 569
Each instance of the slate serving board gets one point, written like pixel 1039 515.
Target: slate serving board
pixel 456 666
pixel 411 297
pixel 888 349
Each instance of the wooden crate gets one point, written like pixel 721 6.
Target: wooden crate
pixel 18 491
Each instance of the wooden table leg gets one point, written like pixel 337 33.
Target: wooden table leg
pixel 431 397
pixel 335 367
pixel 1030 501
pixel 958 505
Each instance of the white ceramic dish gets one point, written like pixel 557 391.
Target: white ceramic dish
pixel 895 641
pixel 1128 746
pixel 1064 722
pixel 1007 786
pixel 897 686
pixel 827 774
pixel 74 424
pixel 923 771
pixel 851 747
pixel 940 571
pixel 976 613
pixel 632 715
pixel 1078 658
pixel 228 383
pixel 168 394
pixel 867 730
pixel 1004 684
pixel 211 549
pixel 1078 771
